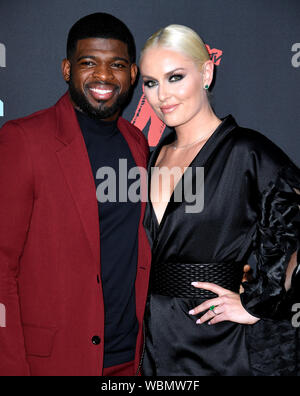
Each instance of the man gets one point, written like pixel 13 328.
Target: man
pixel 74 270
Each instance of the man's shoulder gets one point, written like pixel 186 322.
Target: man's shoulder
pixel 36 120
pixel 41 119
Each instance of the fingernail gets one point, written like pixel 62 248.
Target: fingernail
pixel 194 283
pixel 209 323
pixel 198 321
pixel 192 312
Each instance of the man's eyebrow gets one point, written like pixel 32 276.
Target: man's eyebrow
pixel 86 57
pixel 115 58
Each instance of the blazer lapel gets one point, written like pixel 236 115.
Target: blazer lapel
pixel 75 164
pixel 140 157
pixel 133 141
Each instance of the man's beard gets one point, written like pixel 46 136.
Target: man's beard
pixel 101 112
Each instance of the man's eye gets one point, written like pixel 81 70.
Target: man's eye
pixel 118 65
pixel 150 84
pixel 87 63
pixel 176 77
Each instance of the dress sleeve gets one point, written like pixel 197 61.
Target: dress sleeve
pixel 275 240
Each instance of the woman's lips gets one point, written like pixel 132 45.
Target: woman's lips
pixel 168 109
pixel 101 93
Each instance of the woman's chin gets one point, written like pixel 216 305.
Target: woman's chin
pixel 171 124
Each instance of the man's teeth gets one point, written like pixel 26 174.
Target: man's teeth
pixel 101 91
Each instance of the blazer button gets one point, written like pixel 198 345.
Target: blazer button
pixel 96 340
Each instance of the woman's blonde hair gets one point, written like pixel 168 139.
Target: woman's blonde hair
pixel 181 39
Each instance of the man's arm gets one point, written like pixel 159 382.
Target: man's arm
pixel 16 203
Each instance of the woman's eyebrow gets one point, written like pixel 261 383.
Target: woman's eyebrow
pixel 166 74
pixel 173 71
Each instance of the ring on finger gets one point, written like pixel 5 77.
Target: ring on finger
pixel 212 309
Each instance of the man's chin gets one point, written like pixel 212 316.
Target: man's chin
pixel 100 111
pixel 103 112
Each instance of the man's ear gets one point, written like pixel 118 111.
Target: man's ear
pixel 134 72
pixel 66 70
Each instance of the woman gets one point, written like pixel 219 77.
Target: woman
pixel 250 206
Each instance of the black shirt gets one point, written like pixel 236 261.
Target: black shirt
pixel 118 236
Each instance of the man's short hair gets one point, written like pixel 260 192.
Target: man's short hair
pixel 100 25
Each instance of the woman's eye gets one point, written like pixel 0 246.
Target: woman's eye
pixel 149 84
pixel 176 77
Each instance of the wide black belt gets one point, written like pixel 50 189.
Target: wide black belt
pixel 174 279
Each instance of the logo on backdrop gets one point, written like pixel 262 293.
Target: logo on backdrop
pixel 296 56
pixel 2 64
pixel 144 114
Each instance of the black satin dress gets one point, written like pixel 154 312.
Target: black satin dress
pixel 250 207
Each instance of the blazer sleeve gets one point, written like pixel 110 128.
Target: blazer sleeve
pixel 277 235
pixel 16 202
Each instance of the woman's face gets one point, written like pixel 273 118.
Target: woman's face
pixel 174 85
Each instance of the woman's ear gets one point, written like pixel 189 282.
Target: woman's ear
pixel 208 73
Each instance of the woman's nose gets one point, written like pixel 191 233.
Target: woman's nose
pixel 163 93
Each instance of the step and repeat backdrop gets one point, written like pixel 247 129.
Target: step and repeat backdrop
pixel 255 45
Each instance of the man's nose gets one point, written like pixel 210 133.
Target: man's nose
pixel 103 72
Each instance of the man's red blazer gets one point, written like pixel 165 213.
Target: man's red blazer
pixel 50 283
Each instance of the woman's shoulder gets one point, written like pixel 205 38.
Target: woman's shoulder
pixel 260 148
pixel 254 141
pixel 267 161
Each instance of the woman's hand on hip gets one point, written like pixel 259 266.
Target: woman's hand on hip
pixel 226 307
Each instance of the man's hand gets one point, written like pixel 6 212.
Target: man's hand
pixel 247 276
